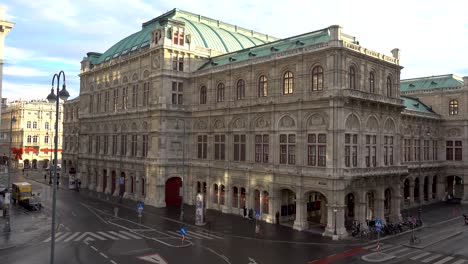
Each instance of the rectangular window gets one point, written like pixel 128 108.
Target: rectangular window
pixel 239 147
pixel 134 145
pixel 220 146
pixel 288 149
pixel 146 94
pixel 98 144
pixel 426 150
pixel 106 144
pixel 91 103
pixel 261 148
pixel 106 101
pixel 417 149
pixel 458 150
pixel 90 144
pixel 177 93
pixel 114 144
pixel 316 150
pixel 177 63
pixel 145 146
pixel 135 95
pixel 435 150
pixel 99 103
pixel 202 145
pixel 123 145
pixel 351 154
pixel 125 98
pixel 116 100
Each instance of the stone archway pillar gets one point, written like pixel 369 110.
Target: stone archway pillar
pixel 99 181
pixel 108 181
pixel 337 223
pixel 411 194
pixel 429 189
pixel 91 183
pixel 465 192
pixel 227 207
pixel 379 204
pixel 323 212
pixel 421 191
pixel 301 217
pixel 128 185
pixel 441 188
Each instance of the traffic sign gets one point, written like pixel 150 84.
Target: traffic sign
pixel 378 223
pixel 154 258
pixel 257 214
pixel 183 231
pixel 140 205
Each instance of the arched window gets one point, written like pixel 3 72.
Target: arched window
pixel 317 78
pixel 453 107
pixel 288 83
pixel 46 125
pixel 203 95
pixel 371 82
pixel 389 86
pixel 29 139
pixel 220 93
pixel 142 186
pixel 28 124
pixel 46 139
pixel 235 197
pixel 35 139
pixel 34 124
pixel 240 89
pixel 352 77
pixel 215 193
pixel 265 202
pixel 262 86
pixel 221 194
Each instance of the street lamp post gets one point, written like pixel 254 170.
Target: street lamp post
pixel 335 211
pixel 52 98
pixel 50 160
pixel 7 227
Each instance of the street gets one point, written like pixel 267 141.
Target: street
pixel 89 232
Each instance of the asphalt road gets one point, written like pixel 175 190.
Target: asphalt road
pixel 88 232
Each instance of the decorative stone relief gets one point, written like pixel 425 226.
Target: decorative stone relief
pixel 135 77
pixel 124 127
pixel 316 121
pixel 352 123
pixel 125 79
pixel 145 125
pixel 218 124
pixel 389 125
pixel 134 126
pixel 453 132
pixel 239 123
pixel 262 123
pixel 287 122
pixel 156 63
pixel 201 125
pixel 146 74
pixel 372 124
pixel 115 128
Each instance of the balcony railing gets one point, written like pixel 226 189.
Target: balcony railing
pixel 372 97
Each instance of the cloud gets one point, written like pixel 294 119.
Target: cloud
pixel 27 91
pixel 23 71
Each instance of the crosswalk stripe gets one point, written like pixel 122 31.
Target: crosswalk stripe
pixel 131 235
pixel 442 261
pixel 420 256
pixel 118 235
pixel 215 236
pixel 197 235
pixel 96 236
pixel 107 235
pixel 370 246
pixel 398 251
pixel 58 234
pixel 460 261
pixel 63 236
pixel 177 234
pixel 72 236
pixel 387 246
pixel 431 258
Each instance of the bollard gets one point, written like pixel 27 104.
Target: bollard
pixel 116 211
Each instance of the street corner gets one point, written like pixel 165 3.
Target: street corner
pixel 377 257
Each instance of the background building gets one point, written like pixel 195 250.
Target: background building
pixel 32 133
pixel 5 28
pixel 313 127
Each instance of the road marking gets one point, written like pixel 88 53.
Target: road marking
pixel 197 235
pixel 252 261
pixel 153 258
pixel 429 259
pixel 459 261
pixel 118 235
pixel 387 246
pixel 102 254
pixel 131 235
pixel 107 235
pixel 397 252
pixel 113 262
pixel 420 256
pixel 370 246
pixel 57 235
pixel 215 236
pixel 177 234
pixel 71 237
pixel 342 255
pixel 94 248
pixel 59 238
pixel 444 260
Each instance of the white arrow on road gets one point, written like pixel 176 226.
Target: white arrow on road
pixel 154 258
pixel 252 261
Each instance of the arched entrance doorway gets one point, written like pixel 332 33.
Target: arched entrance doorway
pixel 34 164
pixel 122 183
pixel 426 189
pixel 316 209
pixel 288 206
pixel 370 202
pixel 406 190
pixel 26 164
pixel 113 179
pixel 434 186
pixel 104 180
pixel 173 186
pixel 45 163
pixel 454 186
pixel 416 190
pixel 387 204
pixel 349 201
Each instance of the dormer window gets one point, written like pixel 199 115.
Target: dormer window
pixel 178 37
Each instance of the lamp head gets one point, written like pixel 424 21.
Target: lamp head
pixel 52 98
pixel 63 94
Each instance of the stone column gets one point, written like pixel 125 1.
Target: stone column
pixel 128 186
pixel 429 189
pixel 98 181
pixel 441 189
pixel 465 192
pixel 209 193
pixel 340 220
pixel 91 183
pixel 421 191
pixel 227 208
pixel 379 206
pixel 411 194
pixel 323 213
pixel 271 218
pixel 108 181
pixel 301 217
pixel 395 215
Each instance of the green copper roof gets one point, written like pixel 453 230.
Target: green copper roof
pixel 304 40
pixel 428 83
pixel 416 105
pixel 204 32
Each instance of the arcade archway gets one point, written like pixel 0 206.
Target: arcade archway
pixel 172 195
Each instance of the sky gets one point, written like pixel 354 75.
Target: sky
pixel 50 36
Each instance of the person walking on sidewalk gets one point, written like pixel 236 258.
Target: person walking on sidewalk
pixel 277 217
pixel 245 211
pixel 45 177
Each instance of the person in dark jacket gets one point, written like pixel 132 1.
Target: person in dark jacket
pixel 245 211
pixel 277 217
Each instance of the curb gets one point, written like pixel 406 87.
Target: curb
pixel 381 257
pixel 435 241
pixel 7 247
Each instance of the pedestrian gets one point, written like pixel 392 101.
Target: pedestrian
pixel 45 177
pixel 245 211
pixel 277 217
pixel 257 230
pixel 250 213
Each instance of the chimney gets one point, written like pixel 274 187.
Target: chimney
pixel 335 32
pixel 396 53
pixel 465 81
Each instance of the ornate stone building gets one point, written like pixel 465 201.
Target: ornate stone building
pixel 312 127
pixel 32 133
